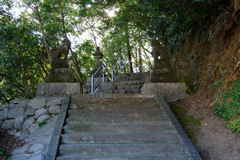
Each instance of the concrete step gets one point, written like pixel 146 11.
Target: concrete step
pixel 120 129
pixel 174 157
pixel 120 138
pixel 108 106
pixel 121 149
pixel 113 100
pixel 155 112
pixel 75 120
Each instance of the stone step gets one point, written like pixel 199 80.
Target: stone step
pixel 120 129
pixel 75 120
pixel 118 113
pixel 120 138
pixel 94 96
pixel 125 158
pixel 121 149
pixel 113 100
pixel 86 106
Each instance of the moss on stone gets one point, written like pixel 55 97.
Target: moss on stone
pixel 178 110
pixel 194 121
pixel 190 134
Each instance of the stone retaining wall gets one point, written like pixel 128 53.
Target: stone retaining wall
pixel 24 115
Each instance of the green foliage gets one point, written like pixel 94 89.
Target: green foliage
pixel 230 104
pixel 170 21
pixel 234 125
pixel 3 153
pixel 216 83
pixel 22 58
pixel 41 123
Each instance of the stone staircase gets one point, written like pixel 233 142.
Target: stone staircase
pixel 119 127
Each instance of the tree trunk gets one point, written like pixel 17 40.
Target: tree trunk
pixel 140 59
pixel 74 58
pixel 44 36
pixel 136 59
pixel 129 50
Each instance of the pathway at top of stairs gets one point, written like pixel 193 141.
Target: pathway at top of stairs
pixel 119 127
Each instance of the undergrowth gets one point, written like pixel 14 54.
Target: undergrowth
pixel 5 155
pixel 229 108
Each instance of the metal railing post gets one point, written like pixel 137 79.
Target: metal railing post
pixel 112 75
pixel 103 73
pixel 123 66
pixel 92 84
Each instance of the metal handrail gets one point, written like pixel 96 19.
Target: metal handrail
pixel 92 80
pixel 119 66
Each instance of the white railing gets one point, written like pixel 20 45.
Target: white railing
pixel 118 67
pixel 92 77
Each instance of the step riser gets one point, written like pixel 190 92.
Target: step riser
pixel 113 106
pixel 118 100
pixel 119 129
pixel 117 121
pixel 119 139
pixel 121 150
pixel 118 113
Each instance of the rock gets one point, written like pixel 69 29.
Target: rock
pixel 18 134
pixel 30 111
pixel 4 106
pixel 43 118
pixel 23 103
pixel 73 106
pixel 16 112
pixel 18 122
pixel 1 122
pixel 12 131
pixel 8 124
pixel 4 114
pixel 33 128
pixel 54 102
pixel 16 101
pixel 36 148
pixel 28 123
pixel 40 112
pixel 13 105
pixel 37 103
pixel 54 109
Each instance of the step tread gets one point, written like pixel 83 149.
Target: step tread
pixel 121 149
pixel 119 129
pixel 120 138
pixel 118 120
pixel 113 106
pixel 155 112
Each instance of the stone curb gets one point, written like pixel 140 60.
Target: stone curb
pixel 54 142
pixel 189 146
